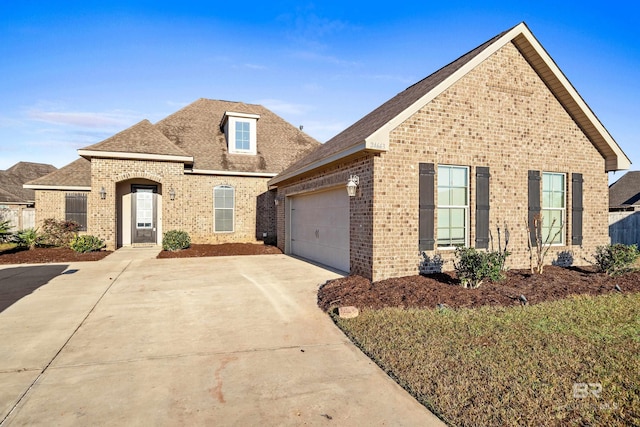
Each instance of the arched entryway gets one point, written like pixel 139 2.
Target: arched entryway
pixel 139 212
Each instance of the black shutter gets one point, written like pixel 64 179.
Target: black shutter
pixel 534 201
pixel 426 231
pixel 482 207
pixel 576 209
pixel 76 209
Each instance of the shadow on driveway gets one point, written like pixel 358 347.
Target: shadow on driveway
pixel 18 282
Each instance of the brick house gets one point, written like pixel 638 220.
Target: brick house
pixel 203 169
pixel 16 202
pixel 490 140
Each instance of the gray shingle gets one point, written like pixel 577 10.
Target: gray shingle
pixel 12 180
pixel 625 192
pixel 75 174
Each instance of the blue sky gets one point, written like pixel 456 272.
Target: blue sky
pixel 73 73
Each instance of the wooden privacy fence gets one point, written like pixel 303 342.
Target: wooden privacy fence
pixel 624 227
pixel 19 218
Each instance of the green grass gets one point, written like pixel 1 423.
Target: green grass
pixel 513 366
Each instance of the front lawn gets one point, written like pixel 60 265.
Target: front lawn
pixel 573 361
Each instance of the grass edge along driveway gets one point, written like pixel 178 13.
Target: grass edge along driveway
pixel 573 361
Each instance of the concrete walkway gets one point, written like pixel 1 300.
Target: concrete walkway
pixel 200 341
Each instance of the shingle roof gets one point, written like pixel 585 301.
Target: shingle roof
pixel 12 180
pixel 75 174
pixel 194 132
pixel 625 192
pixel 195 129
pixel 142 137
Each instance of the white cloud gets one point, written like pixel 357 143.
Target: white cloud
pixel 81 119
pixel 317 57
pixel 255 66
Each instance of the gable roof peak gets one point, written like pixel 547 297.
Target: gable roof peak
pixel 371 132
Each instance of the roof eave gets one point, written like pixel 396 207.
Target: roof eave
pixel 57 187
pixel 134 156
pixel 324 162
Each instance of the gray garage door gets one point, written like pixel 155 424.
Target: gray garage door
pixel 320 228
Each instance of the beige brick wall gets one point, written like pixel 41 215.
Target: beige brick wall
pixel 500 115
pixel 191 211
pixel 49 204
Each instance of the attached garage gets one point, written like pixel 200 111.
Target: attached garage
pixel 319 228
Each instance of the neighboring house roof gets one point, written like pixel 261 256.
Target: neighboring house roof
pixel 141 141
pixel 371 133
pixel 625 192
pixel 74 176
pixel 12 180
pixel 196 129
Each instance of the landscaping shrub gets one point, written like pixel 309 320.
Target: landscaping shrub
pixel 616 259
pixel 86 243
pixel 175 240
pixel 5 233
pixel 27 238
pixel 472 266
pixel 58 232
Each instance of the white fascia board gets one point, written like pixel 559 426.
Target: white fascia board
pixel 322 162
pixel 56 187
pixel 230 173
pixel 243 115
pixel 135 156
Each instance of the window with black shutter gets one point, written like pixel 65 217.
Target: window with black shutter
pixel 76 209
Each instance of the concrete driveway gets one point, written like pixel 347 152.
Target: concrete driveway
pixel 208 341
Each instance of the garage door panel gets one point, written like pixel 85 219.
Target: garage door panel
pixel 320 228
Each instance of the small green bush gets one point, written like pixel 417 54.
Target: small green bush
pixel 86 243
pixel 27 238
pixel 175 240
pixel 58 232
pixel 616 259
pixel 472 266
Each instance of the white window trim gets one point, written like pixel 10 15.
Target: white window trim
pixel 465 207
pixel 233 209
pixel 229 123
pixel 563 210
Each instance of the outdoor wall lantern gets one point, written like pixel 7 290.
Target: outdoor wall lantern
pixel 103 193
pixel 352 185
pixel 172 194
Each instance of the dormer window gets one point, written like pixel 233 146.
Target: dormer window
pixel 240 131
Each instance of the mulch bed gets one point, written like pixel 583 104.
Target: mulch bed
pixel 48 255
pixel 444 288
pixel 225 249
